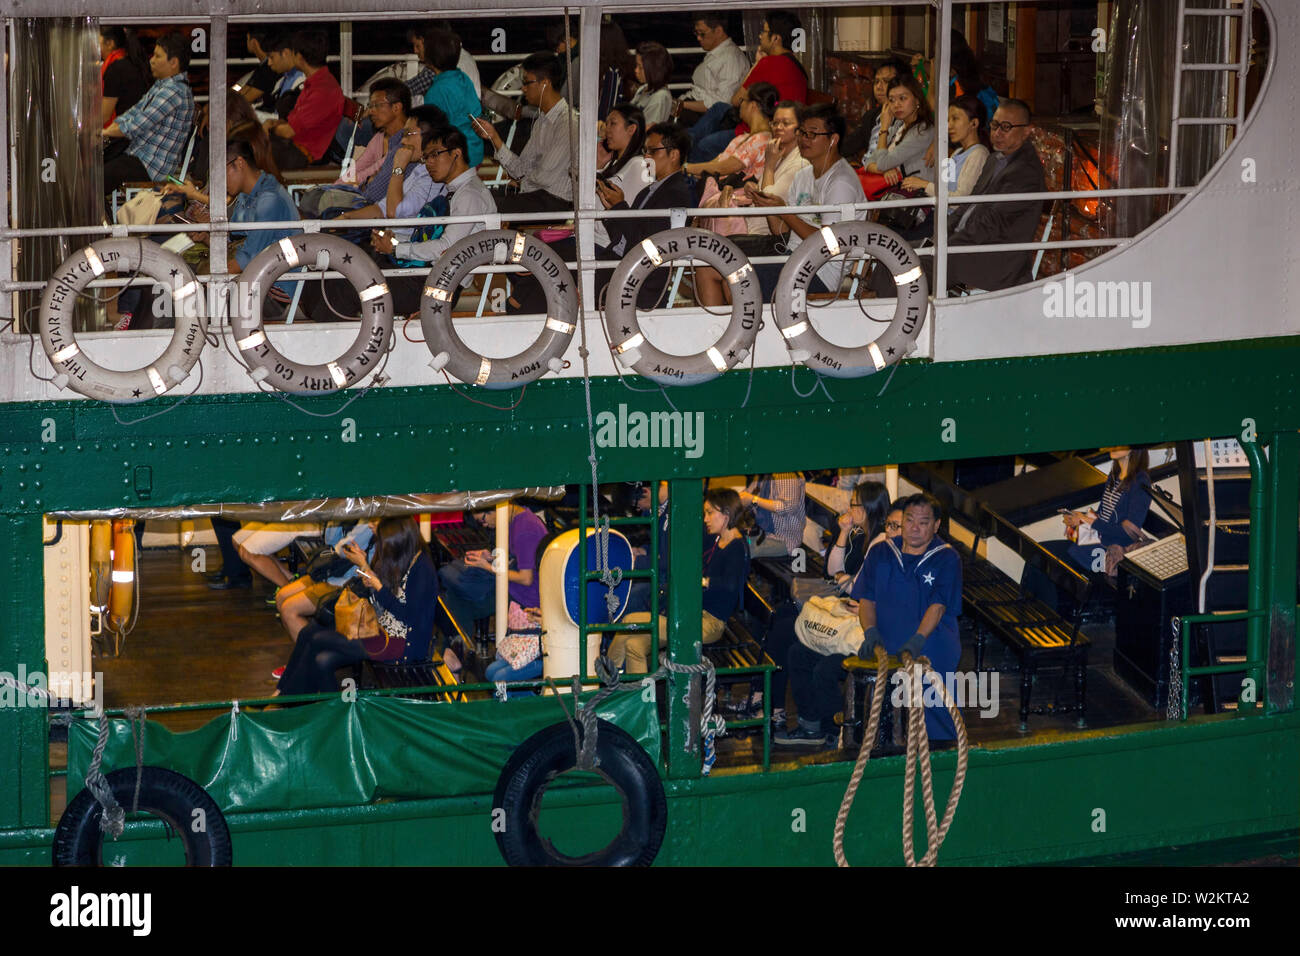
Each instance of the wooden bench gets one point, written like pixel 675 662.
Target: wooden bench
pixel 433 672
pixel 1037 634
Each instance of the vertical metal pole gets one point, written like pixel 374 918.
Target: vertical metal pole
pixel 1179 35
pixel 654 563
pixel 501 567
pixel 24 799
pixel 685 613
pixel 218 240
pixel 8 303
pixel 940 154
pixel 585 192
pixel 582 579
pixel 345 58
pixel 1284 487
pixel 1243 65
pixel 1257 589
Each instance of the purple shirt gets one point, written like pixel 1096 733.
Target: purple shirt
pixel 526 533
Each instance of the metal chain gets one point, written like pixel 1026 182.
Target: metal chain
pixel 1174 705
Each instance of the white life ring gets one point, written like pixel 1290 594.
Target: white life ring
pixel 806 344
pixel 629 343
pixel 499 247
pixel 73 369
pixel 317 251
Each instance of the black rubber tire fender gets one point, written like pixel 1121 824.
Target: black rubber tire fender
pixel 620 760
pixel 170 796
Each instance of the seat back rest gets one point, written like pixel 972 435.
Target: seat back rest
pixel 1064 575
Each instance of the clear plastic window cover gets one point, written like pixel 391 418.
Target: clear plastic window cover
pixel 326 509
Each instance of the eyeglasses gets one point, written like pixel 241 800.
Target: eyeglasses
pixel 651 150
pixel 432 154
pixel 895 525
pixel 528 83
pixel 1005 127
pixel 376 104
pixel 813 133
pixel 781 123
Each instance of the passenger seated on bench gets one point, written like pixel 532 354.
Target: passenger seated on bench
pixel 308 132
pixel 726 566
pixel 638 600
pixel 909 594
pixel 501 669
pixel 778 503
pixel 298 600
pixel 470 582
pixel 847 550
pixel 1117 523
pixel 542 169
pixel 403 589
pixel 815 678
pixel 258 541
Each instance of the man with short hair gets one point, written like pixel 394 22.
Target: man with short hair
pixel 827 180
pixel 159 125
pixel 390 111
pixel 775 64
pixel 719 74
pixel 444 154
pixel 259 197
pixel 544 167
pixel 1013 167
pixel 287 88
pixel 261 81
pixel 306 135
pixel 909 598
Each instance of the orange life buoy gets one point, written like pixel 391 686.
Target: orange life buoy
pixel 101 563
pixel 121 599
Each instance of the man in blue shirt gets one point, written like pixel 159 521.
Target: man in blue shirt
pixel 909 597
pixel 160 124
pixel 259 197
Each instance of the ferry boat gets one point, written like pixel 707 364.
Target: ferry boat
pixel 1161 315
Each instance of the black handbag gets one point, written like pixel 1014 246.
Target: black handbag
pixel 325 563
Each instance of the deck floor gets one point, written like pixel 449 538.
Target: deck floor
pixel 194 644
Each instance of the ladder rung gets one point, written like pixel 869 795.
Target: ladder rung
pixel 1235 67
pixel 1230 659
pixel 1207 121
pixel 1202 12
pixel 1232 568
pixel 1227 522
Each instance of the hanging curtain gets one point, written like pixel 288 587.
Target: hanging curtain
pixel 1138 103
pixel 54 125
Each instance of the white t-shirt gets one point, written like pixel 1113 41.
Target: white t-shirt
pixel 839 184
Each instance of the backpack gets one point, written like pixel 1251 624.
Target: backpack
pixel 329 202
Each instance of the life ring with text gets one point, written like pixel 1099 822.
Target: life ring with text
pixel 498 247
pixel 186 807
pixel 620 760
pixel 317 252
pixel 73 369
pixel 806 344
pixel 634 350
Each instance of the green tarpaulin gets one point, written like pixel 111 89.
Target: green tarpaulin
pixel 341 753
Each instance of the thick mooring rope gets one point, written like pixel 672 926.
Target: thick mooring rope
pixel 918 754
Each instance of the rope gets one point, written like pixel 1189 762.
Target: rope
pixel 135 716
pixel 113 820
pixel 918 754
pixel 864 754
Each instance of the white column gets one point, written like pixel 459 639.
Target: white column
pixel 501 565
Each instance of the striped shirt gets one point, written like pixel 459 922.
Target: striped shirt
pixel 544 164
pixel 159 126
pixel 787 525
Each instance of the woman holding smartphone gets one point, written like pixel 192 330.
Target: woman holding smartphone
pixel 781 161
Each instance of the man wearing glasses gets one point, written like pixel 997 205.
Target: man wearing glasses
pixel 389 110
pixel 1014 167
pixel 445 156
pixel 827 180
pixel 543 167
pixel 719 74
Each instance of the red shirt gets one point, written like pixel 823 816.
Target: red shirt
pixel 782 72
pixel 316 116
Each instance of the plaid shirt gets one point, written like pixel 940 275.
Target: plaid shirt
pixel 159 125
pixel 420 83
pixel 788 524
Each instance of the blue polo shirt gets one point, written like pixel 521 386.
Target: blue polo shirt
pixel 903 586
pixel 453 93
pixel 268 202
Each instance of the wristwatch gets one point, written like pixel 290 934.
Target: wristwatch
pixel 398 170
